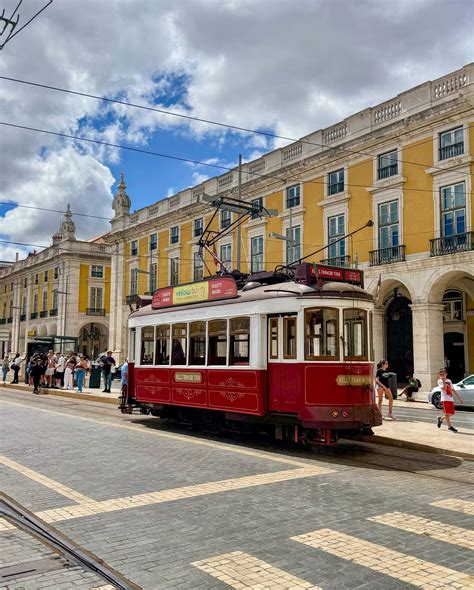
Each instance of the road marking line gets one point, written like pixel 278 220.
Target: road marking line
pixel 241 570
pixel 5 525
pixel 400 566
pixel 428 528
pixel 178 437
pixel 171 495
pixel 45 481
pixel 464 506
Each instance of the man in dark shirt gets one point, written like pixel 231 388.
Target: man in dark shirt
pixel 107 362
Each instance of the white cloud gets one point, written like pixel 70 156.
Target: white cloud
pixel 288 67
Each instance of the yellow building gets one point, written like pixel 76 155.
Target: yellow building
pixel 58 298
pixel 406 164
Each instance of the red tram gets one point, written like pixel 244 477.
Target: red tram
pixel 293 357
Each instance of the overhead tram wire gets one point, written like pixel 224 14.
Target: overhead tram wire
pixel 206 121
pixel 179 158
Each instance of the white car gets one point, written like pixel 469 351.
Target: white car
pixel 465 389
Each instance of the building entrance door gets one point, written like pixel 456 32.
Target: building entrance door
pixel 454 355
pixel 400 338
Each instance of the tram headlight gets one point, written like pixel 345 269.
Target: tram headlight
pixel 335 413
pixel 345 414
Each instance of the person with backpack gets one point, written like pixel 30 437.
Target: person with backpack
pixel 413 386
pixel 15 366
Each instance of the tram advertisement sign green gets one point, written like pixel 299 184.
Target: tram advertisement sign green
pixel 211 290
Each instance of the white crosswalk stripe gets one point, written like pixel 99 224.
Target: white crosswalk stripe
pixel 429 528
pixel 400 566
pixel 464 506
pixel 241 570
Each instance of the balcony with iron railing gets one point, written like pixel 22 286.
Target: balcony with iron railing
pixel 342 261
pixel 3 321
pixel 95 311
pixel 53 312
pixel 387 255
pixel 43 313
pixel 450 151
pixel 22 317
pixel 387 171
pixel 452 244
pixel 34 315
pixel 9 320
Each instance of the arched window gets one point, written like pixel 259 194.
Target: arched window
pixel 453 306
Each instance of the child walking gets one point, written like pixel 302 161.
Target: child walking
pixel 447 398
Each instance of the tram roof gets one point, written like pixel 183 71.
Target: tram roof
pixel 259 293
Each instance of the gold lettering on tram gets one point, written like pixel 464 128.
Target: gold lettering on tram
pixel 354 380
pixel 188 377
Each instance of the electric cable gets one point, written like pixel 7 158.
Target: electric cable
pixel 199 119
pixel 179 158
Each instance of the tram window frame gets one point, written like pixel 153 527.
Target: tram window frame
pixel 289 355
pixel 180 339
pixel 132 344
pixel 324 335
pixel 199 339
pixel 163 335
pixel 273 337
pixel 216 337
pixel 371 336
pixel 349 338
pixel 240 337
pixel 147 340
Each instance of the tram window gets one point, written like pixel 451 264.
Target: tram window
pixel 321 330
pixel 217 342
pixel 162 345
pixel 274 338
pixel 239 341
pixel 197 343
pixel 178 353
pixel 355 329
pixel 289 338
pixel 148 335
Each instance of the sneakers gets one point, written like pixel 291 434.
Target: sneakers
pixel 452 429
pixel 390 417
pixel 440 421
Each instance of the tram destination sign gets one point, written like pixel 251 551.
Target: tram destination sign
pixel 210 290
pixel 309 274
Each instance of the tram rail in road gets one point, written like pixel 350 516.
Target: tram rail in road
pixel 18 516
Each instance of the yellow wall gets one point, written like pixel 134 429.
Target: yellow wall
pixel 84 274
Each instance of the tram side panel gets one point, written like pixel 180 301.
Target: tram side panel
pixel 240 391
pixel 338 395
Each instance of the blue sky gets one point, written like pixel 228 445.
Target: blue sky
pixel 290 68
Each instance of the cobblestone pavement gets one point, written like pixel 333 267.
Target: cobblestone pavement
pixel 170 509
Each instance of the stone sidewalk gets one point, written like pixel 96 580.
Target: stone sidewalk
pixel 402 433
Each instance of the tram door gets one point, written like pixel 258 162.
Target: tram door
pixel 284 378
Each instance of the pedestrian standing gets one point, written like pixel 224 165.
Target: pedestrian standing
pixel 381 380
pixel 59 374
pixel 80 372
pixel 5 367
pixel 15 366
pixel 69 372
pixel 108 368
pixel 50 369
pixel 36 372
pixel 447 398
